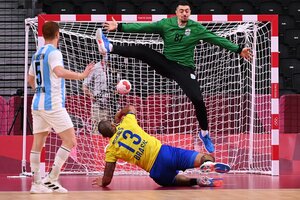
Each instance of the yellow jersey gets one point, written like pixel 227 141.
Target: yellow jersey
pixel 132 144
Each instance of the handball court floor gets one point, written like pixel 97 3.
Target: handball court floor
pixel 236 186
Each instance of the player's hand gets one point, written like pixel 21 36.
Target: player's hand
pixel 97 182
pixel 118 117
pixel 111 25
pixel 89 68
pixel 246 53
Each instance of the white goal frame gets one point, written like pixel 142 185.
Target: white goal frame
pixel 273 19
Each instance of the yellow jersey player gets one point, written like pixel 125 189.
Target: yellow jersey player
pixel 129 142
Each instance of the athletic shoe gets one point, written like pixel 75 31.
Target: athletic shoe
pixel 209 182
pixel 39 188
pixel 54 185
pixel 209 146
pixel 214 167
pixel 102 41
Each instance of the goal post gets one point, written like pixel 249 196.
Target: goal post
pixel 242 97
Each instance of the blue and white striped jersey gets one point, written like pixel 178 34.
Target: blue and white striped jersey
pixel 49 89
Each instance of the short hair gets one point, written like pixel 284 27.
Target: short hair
pixel 50 30
pixel 105 128
pixel 183 3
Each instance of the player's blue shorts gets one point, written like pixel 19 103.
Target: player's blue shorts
pixel 168 163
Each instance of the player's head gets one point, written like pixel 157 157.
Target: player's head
pixel 50 31
pixel 183 11
pixel 106 128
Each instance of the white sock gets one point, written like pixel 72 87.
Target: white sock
pixel 110 47
pixel 35 159
pixel 60 159
pixel 204 132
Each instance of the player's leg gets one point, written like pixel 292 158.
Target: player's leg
pixel 187 80
pixel 40 133
pixel 187 159
pixel 62 124
pixel 153 58
pixel 203 181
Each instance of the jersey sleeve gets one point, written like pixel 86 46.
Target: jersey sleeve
pixel 155 27
pixel 55 59
pixel 212 38
pixel 30 71
pixel 109 155
pixel 129 118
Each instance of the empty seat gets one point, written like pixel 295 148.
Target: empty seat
pixel 298 52
pixel 294 10
pixel 241 7
pixel 211 8
pixel 62 7
pixel 124 7
pixel 93 7
pixel 284 51
pixel 296 81
pixel 289 68
pixel 152 8
pixel 270 7
pixel 292 37
pixel 286 22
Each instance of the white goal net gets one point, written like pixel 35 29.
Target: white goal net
pixel 237 95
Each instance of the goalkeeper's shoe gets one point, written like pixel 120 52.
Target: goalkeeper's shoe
pixel 214 167
pixel 54 185
pixel 209 182
pixel 39 188
pixel 102 42
pixel 209 146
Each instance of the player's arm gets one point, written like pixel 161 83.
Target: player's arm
pixel 155 27
pixel 61 72
pixel 31 81
pixel 212 38
pixel 126 110
pixel 30 77
pixel 55 61
pixel 107 177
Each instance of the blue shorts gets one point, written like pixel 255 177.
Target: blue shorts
pixel 168 163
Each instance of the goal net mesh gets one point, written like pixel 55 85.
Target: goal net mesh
pixel 237 95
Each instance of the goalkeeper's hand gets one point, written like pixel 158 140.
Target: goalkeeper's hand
pixel 246 53
pixel 111 25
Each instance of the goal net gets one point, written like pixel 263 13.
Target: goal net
pixel 237 95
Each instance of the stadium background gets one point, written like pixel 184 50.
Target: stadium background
pixel 12 39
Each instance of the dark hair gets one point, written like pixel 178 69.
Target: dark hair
pixel 183 3
pixel 105 128
pixel 49 30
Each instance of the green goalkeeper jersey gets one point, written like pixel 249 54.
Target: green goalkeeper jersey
pixel 180 42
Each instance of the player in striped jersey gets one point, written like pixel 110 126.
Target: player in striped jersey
pixel 47 78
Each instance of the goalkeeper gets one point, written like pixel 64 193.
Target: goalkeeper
pixel 180 36
pixel 131 143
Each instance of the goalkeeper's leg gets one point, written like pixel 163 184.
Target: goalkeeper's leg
pixel 187 80
pixel 153 58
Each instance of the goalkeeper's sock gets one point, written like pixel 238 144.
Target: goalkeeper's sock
pixel 60 158
pixel 110 46
pixel 204 133
pixel 35 159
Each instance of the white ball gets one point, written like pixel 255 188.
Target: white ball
pixel 123 86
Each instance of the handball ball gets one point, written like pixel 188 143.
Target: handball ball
pixel 123 86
